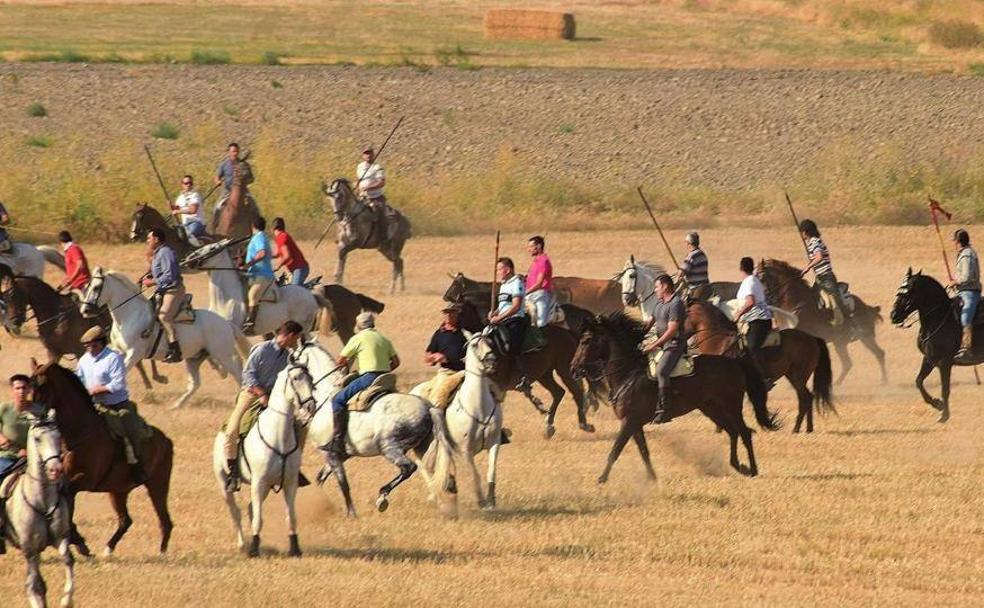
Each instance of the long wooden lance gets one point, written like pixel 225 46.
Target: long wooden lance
pixel 495 266
pixel 676 266
pixel 935 210
pixel 364 173
pixel 789 203
pixel 160 180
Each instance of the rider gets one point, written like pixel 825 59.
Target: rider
pixel 539 282
pixel 370 181
pixel 103 373
pixel 510 316
pixel 694 268
pixel 77 273
pixel 189 209
pixel 5 243
pixel 165 274
pixel 824 271
pixel 265 361
pixel 289 254
pixel 14 425
pixel 667 321
pixel 755 312
pixel 446 350
pixel 374 356
pixel 259 271
pixel 226 173
pixel 968 286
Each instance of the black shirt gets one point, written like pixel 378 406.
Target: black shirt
pixel 451 344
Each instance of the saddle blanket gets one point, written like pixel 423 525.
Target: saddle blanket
pixel 684 367
pixel 441 389
pixel 363 400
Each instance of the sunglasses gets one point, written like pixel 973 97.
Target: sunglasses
pixel 186 183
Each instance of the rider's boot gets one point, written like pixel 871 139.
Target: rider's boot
pixel 173 353
pixel 250 321
pixel 232 481
pixel 340 424
pixel 524 386
pixel 966 352
pixel 659 414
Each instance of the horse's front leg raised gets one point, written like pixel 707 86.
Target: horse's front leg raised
pixel 924 371
pixel 343 251
pixel 395 455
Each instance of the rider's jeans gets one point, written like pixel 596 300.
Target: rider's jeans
pixel 970 299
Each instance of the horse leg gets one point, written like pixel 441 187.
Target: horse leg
pixel 143 376
pixel 156 374
pixel 489 504
pixel 845 359
pixel 395 455
pixel 872 345
pixel 804 400
pixel 37 590
pixel 74 536
pixel 193 366
pixel 123 521
pixel 548 382
pixel 577 391
pixel 158 488
pixel 399 266
pixel 259 489
pixel 65 550
pixel 630 426
pixel 945 392
pixel 746 439
pixel 339 470
pixel 476 478
pixel 236 514
pixel 290 496
pixel 924 371
pixel 640 440
pixel 343 251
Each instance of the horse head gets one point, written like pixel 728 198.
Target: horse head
pixel 13 304
pixel 341 195
pixel 44 446
pixel 593 349
pixel 907 298
pixel 145 218
pixel 480 354
pixel 91 299
pixel 62 391
pixel 300 391
pixel 628 279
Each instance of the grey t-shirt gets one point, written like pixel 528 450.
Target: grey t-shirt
pixel 674 310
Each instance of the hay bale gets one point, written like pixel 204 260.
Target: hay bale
pixel 526 24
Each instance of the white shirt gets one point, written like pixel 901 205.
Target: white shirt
pixel 512 288
pixel 184 203
pixel 751 286
pixel 366 173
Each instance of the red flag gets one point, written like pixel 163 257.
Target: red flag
pixel 934 207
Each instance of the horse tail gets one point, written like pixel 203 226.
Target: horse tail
pixel 52 256
pixel 823 379
pixel 758 394
pixel 439 460
pixel 369 304
pixel 327 322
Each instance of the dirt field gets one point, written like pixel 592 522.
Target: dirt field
pixel 881 506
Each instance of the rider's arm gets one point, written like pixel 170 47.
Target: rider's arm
pixel 815 259
pixel 538 285
pixel 749 303
pixel 513 308
pixel 671 331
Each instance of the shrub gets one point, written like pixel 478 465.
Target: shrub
pixel 165 130
pixel 37 110
pixel 276 84
pixel 39 141
pixel 976 69
pixel 209 57
pixel 270 58
pixel 955 34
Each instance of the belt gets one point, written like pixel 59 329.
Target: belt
pixel 117 404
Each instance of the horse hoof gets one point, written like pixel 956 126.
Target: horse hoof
pixel 587 428
pixel 488 506
pixel 382 503
pixel 254 547
pixel 84 550
pixel 549 431
pixel 66 602
pixel 944 417
pixel 602 480
pixel 108 552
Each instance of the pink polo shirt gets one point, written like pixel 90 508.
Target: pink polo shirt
pixel 540 267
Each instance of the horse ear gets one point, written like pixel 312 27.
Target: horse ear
pixel 632 258
pixel 467 334
pixel 34 365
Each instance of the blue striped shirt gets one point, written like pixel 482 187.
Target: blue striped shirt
pixel 815 245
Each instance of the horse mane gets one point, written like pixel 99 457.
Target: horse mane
pixel 122 278
pixel 789 275
pixel 147 207
pixel 931 283
pixel 627 334
pixel 715 315
pixel 651 267
pixel 53 371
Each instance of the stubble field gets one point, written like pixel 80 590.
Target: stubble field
pixel 881 505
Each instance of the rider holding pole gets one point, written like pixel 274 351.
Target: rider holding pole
pixel 967 283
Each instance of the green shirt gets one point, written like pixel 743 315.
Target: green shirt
pixel 371 350
pixel 14 426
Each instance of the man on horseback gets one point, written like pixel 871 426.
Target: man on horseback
pixel 265 361
pixel 968 286
pixel 446 350
pixel 77 273
pixel 6 245
pixel 539 283
pixel 374 356
pixel 259 272
pixel 693 270
pixel 229 170
pixel 103 373
pixel 510 316
pixel 190 211
pixel 370 181
pixel 165 274
pixel 15 422
pixel 289 254
pixel 824 271
pixel 667 323
pixel 755 313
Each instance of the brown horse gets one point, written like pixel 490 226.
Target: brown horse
pixel 798 356
pixel 146 218
pixel 609 349
pixel 595 295
pixel 346 306
pixel 94 460
pixel 234 218
pixel 786 289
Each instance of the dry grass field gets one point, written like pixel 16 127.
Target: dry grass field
pixel 881 506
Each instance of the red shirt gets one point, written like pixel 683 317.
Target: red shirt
pixel 75 261
pixel 287 247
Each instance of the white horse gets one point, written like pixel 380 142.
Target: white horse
pixel 402 428
pixel 25 259
pixel 271 454
pixel 37 513
pixel 474 417
pixel 227 298
pixel 639 278
pixel 209 337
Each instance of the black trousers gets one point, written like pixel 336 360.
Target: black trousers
pixel 514 330
pixel 758 331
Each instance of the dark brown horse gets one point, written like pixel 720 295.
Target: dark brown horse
pixel 146 218
pixel 346 306
pixel 94 460
pixel 609 349
pixel 798 356
pixel 595 295
pixel 786 289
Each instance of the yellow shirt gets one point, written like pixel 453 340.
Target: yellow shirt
pixel 371 350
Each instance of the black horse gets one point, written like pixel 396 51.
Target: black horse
pixel 939 333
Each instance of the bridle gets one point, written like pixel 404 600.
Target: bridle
pixel 47 513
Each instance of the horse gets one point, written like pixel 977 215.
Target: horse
pixel 234 217
pixel 27 260
pixel 798 356
pixel 208 337
pixel 594 295
pixel 609 349
pixel 146 218
pixel 36 513
pixel 271 455
pixel 60 324
pixel 785 287
pixel 357 230
pixel 94 461
pixel 402 428
pixel 939 333
pixel 474 416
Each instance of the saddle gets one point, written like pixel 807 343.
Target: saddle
pixel 827 301
pixel 533 341
pixel 114 420
pixel 441 389
pixel 683 368
pixel 363 400
pixel 10 481
pixel 557 316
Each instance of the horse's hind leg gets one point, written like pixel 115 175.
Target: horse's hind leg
pixel 123 520
pixel 74 536
pixel 804 400
pixel 640 440
pixel 869 341
pixel 548 382
pixel 746 439
pixel 37 590
pixel 65 550
pixel 845 359
pixel 395 455
pixel 194 368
